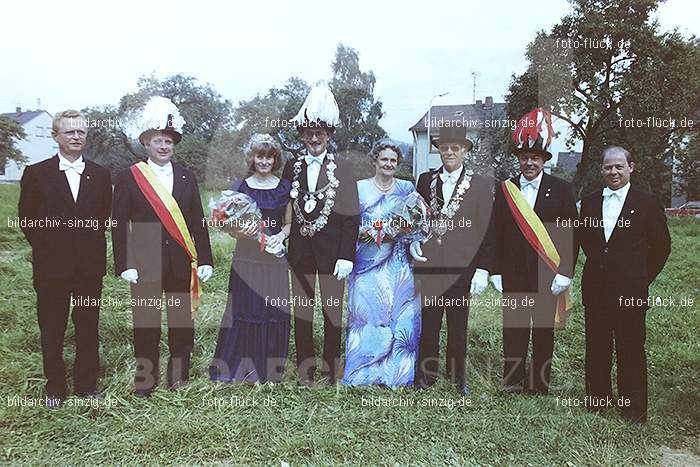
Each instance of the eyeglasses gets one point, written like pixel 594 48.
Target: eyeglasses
pixel 449 147
pixel 310 134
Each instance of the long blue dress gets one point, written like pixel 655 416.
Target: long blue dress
pixel 384 321
pixel 254 334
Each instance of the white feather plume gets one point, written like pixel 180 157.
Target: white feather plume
pixel 154 116
pixel 320 105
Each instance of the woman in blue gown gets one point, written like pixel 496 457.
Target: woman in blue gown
pixel 383 327
pixel 254 334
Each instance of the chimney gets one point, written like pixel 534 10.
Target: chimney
pixel 489 102
pixel 18 110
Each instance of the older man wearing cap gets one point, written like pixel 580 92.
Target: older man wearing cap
pixel 455 262
pixel 536 254
pixel 161 245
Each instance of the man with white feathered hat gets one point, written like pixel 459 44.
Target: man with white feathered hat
pixel 536 255
pixel 325 224
pixel 161 245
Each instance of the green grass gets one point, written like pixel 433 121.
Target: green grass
pixel 323 425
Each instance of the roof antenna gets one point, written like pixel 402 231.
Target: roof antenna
pixel 474 75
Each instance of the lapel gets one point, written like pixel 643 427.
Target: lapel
pixel 438 187
pixel 597 214
pixel 544 194
pixel 60 183
pixel 304 175
pixel 629 208
pixel 179 182
pixel 86 184
pixel 322 176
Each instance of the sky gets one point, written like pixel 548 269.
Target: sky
pixel 75 54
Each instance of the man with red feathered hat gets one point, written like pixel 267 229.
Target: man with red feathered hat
pixel 536 255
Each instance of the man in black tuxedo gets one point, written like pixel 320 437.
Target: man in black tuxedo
pixel 454 263
pixel 624 234
pixel 324 232
pixel 148 257
pixel 531 288
pixel 64 207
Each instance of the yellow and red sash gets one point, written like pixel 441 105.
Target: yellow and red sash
pixel 170 215
pixel 537 236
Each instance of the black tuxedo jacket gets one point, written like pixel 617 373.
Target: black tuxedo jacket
pixel 139 239
pixel 463 249
pixel 337 240
pixel 518 263
pixel 635 254
pixel 75 241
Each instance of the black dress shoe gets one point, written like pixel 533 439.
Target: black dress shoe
pixel 143 393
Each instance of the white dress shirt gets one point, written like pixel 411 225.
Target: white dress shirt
pixel 449 182
pixel 613 200
pixel 164 174
pixel 313 170
pixel 529 188
pixel 73 171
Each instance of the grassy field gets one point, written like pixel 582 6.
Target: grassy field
pixel 208 423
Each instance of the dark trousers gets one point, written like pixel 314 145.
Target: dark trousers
pixel 519 322
pixel 303 289
pixel 147 301
pixel 432 290
pixel 53 298
pixel 626 330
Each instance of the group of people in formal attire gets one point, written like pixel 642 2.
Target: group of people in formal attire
pixel 523 234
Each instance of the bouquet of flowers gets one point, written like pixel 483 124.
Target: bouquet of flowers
pixel 234 211
pixel 409 220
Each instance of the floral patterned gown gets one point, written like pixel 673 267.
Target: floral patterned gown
pixel 383 327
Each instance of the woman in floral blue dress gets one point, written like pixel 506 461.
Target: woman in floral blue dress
pixel 383 327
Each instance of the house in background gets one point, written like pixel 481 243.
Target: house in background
pixel 472 116
pixel 37 145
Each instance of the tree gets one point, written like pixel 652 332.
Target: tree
pixel 359 111
pixel 10 132
pixel 604 65
pixel 687 168
pixel 492 154
pixel 205 112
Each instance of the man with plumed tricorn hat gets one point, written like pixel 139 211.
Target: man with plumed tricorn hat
pixel 324 232
pixel 536 254
pixel 161 245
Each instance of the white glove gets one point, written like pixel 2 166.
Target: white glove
pixel 497 282
pixel 204 272
pixel 560 284
pixel 417 252
pixel 343 268
pixel 130 275
pixel 479 282
pixel 274 244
